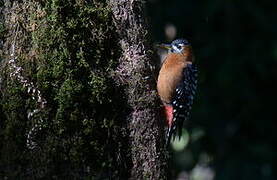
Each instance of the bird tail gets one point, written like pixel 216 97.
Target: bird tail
pixel 168 136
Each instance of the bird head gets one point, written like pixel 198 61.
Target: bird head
pixel 176 46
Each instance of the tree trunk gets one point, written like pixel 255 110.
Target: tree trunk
pixel 136 72
pixel 78 93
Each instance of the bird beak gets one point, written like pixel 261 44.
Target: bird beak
pixel 164 46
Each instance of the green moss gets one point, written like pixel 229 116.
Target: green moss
pixel 69 58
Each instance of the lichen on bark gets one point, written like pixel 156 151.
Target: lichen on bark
pixel 78 93
pixel 136 71
pixel 64 51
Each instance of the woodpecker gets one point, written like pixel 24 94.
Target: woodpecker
pixel 176 85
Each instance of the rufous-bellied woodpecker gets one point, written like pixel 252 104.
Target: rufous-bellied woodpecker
pixel 176 85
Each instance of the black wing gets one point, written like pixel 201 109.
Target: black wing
pixel 183 100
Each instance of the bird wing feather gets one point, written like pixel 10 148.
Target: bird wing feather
pixel 183 100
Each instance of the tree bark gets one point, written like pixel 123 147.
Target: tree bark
pixel 67 77
pixel 135 71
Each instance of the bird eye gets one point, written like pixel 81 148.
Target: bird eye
pixel 179 46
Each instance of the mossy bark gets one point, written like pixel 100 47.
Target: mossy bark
pixel 135 71
pixel 77 92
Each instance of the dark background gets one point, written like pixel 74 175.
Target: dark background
pixel 235 47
